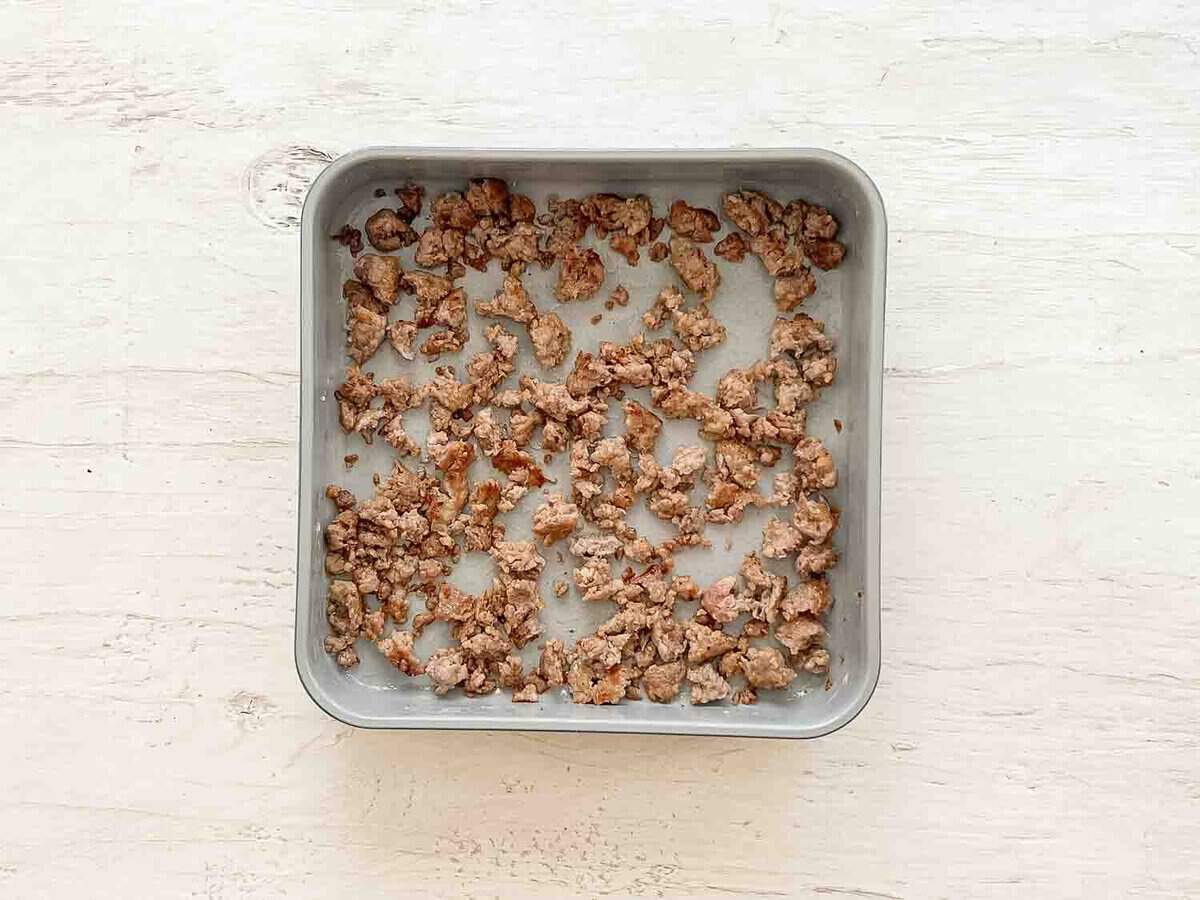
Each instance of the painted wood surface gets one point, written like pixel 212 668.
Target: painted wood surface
pixel 1036 732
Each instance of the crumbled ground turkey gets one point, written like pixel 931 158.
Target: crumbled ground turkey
pixel 493 422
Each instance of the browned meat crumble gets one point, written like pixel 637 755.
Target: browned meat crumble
pixel 668 639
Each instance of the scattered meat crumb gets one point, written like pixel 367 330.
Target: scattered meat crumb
pixel 351 238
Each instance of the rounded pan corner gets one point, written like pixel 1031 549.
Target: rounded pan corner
pixel 321 699
pixel 859 175
pixel 327 177
pixel 856 706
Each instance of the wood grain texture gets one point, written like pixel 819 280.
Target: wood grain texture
pixel 1036 731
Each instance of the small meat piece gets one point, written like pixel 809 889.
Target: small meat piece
pixel 818 369
pixel 350 238
pixel 798 335
pixel 444 341
pixel 800 634
pixel 393 432
pixel 755 628
pixel 814 519
pixel 388 232
pixel 619 296
pixel 612 453
pixel 732 247
pixel 805 221
pixel 642 427
pixel 594 580
pixel 487 645
pixel 488 197
pixel 401 335
pixel 693 222
pixel 751 211
pixel 486 370
pixel 765 667
pixel 810 597
pixel 439 246
pixel 698 330
pixel 721 601
pixel 511 302
pixel 602 651
pixel 580 276
pixel 365 332
pixel 669 504
pixel 706 643
pixel 551 339
pixel 411 196
pixel 739 462
pixel 668 638
pixel 381 274
pixel 688 460
pixel 568 225
pixel 625 245
pixel 707 684
pixel 560 588
pixel 552 398
pixel 662 682
pixel 346 614
pixel 518 244
pixel 353 396
pixel 397 647
pixel 589 374
pixel 611 213
pixel 430 289
pixel 659 251
pixel 511 461
pixel 452 310
pixel 517 558
pixel 521 208
pixel 816 662
pixel 451 210
pixel 552 666
pixel 792 290
pixel 825 254
pixel 738 389
pixel 778 256
pixel 696 270
pixel 447 669
pixel 813 559
pixel 815 468
pixel 526 694
pixel 609 687
pixel 349 460
pixel 780 539
pixel 355 293
pixel 819 223
pixel 596 546
pixel 730 664
pixel 554 436
pixel 450 604
pixel 667 304
pixel 555 519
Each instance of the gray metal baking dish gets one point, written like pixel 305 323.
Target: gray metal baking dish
pixel 850 300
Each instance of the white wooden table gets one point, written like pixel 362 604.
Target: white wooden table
pixel 1036 732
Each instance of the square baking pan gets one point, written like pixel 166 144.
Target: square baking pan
pixel 849 299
